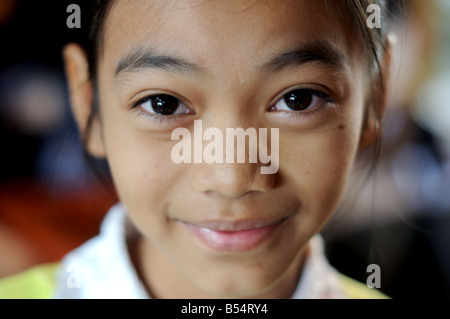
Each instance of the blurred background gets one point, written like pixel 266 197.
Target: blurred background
pixel 50 201
pixel 399 218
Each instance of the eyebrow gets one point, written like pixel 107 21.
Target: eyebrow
pixel 318 51
pixel 139 59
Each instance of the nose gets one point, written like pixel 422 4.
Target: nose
pixel 231 180
pixel 238 170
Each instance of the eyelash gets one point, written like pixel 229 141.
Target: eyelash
pixel 166 119
pixel 155 119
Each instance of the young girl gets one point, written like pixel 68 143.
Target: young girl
pixel 313 70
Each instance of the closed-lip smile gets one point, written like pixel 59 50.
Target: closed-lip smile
pixel 234 236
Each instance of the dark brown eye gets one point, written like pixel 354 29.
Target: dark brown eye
pixel 162 105
pixel 301 100
pixel 298 100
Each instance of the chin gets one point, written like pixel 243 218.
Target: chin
pixel 237 291
pixel 256 281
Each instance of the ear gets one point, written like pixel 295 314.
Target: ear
pixel 371 128
pixel 81 90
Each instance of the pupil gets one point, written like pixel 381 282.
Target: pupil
pixel 165 104
pixel 298 100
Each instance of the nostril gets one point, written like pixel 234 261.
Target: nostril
pixel 218 195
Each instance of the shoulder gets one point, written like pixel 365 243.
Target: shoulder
pixel 102 267
pixel 36 283
pixel 320 280
pixel 355 290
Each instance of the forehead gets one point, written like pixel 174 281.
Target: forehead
pixel 226 32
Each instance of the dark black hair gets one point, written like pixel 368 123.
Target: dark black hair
pixel 100 9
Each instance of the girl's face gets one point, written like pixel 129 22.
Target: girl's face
pixel 226 229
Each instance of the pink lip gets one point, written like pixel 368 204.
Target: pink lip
pixel 235 237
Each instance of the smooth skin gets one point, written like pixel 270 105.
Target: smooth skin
pixel 226 82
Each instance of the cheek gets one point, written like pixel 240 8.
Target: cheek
pixel 144 175
pixel 316 167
